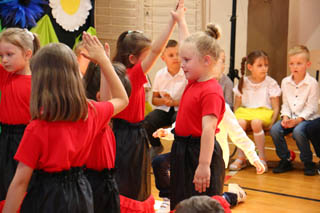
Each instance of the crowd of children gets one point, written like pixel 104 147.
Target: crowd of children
pixel 74 136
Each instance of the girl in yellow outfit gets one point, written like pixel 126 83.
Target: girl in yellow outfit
pixel 256 103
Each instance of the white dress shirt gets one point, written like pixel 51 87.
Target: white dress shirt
pixel 300 100
pixel 258 95
pixel 164 82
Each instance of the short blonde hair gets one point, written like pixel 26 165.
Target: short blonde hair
pixel 298 49
pixel 206 42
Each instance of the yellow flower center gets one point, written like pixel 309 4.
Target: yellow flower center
pixel 70 6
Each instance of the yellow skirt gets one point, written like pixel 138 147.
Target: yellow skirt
pixel 261 113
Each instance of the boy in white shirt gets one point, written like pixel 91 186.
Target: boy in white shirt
pixel 168 87
pixel 300 106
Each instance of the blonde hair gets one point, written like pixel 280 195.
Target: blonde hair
pixel 57 92
pixel 206 42
pixel 299 49
pixel 21 38
pixel 78 48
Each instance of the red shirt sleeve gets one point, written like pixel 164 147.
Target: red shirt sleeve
pixel 29 150
pixel 137 76
pixel 212 104
pixel 104 112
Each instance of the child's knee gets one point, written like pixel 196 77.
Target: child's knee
pixel 256 125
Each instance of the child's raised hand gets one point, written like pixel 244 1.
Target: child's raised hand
pixel 178 14
pixel 259 167
pixel 95 49
pixel 201 178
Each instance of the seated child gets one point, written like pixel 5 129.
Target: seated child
pixel 226 83
pixel 256 103
pixel 300 96
pixel 168 87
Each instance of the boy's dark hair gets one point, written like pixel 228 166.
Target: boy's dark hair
pixel 199 204
pixel 91 79
pixel 172 43
pixel 130 43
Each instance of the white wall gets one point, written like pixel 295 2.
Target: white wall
pixel 304 28
pixel 220 12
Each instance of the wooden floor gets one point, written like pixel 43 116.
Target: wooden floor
pixel 290 192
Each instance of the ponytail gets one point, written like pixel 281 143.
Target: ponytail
pixel 243 72
pixel 36 43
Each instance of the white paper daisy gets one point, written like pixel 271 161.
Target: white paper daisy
pixel 70 14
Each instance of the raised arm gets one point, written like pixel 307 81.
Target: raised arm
pixel 159 44
pixel 97 54
pixel 179 17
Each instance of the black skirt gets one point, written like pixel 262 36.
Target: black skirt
pixel 59 192
pixel 184 159
pixel 10 138
pixel 105 190
pixel 132 160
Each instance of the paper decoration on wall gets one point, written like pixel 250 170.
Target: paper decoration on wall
pixel 45 31
pixel 21 13
pixel 90 30
pixel 70 14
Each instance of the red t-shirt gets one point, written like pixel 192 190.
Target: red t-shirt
pixel 15 97
pixel 57 146
pixel 199 99
pixel 103 152
pixel 134 112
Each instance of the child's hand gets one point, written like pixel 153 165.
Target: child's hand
pixel 284 122
pixel 201 178
pixel 95 49
pixel 292 123
pixel 178 14
pixel 160 133
pixel 259 167
pixel 168 101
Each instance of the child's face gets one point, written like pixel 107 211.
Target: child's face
pixel 191 62
pixel 13 59
pixel 298 65
pixel 259 68
pixel 171 57
pixel 220 66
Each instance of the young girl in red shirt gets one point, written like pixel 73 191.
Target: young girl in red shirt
pixel 100 166
pixel 135 51
pixel 197 166
pixel 58 140
pixel 16 49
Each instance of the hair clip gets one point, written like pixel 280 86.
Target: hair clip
pixel 29 33
pixel 134 31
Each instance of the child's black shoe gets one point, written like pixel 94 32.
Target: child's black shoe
pixel 310 169
pixel 284 166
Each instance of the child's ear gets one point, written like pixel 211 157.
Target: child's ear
pixel 98 96
pixel 208 60
pixel 308 64
pixel 133 59
pixel 29 54
pixel 249 66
